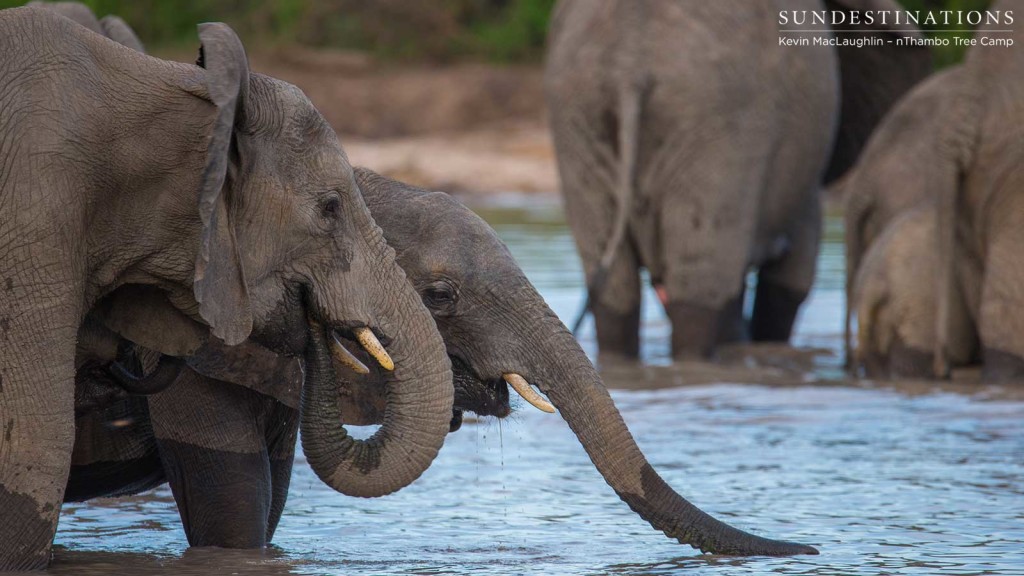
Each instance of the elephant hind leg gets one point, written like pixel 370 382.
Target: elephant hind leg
pixel 775 309
pixel 214 454
pixel 1002 307
pixel 617 311
pixel 783 284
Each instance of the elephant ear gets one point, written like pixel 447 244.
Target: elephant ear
pixel 219 285
pixel 119 31
pixel 872 78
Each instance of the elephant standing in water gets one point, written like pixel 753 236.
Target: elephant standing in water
pixel 496 328
pixel 693 143
pixel 972 178
pixel 166 202
pixel 890 217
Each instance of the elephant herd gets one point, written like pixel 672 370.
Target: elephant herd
pixel 191 271
pixel 694 143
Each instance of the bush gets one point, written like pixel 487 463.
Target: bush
pixel 431 30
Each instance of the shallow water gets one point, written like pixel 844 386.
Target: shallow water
pixel 918 479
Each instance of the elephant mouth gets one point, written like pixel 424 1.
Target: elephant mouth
pixel 473 394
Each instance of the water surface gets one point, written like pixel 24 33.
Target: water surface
pixel 919 479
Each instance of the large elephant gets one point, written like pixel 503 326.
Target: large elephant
pixel 970 172
pixel 692 141
pixel 176 205
pixel 496 328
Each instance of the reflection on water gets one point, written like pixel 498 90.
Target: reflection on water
pixel 915 480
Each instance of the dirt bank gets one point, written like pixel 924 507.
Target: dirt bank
pixel 468 128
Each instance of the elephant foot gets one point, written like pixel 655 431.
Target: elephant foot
pixel 618 333
pixel 223 497
pixel 909 362
pixel 775 308
pixel 1002 367
pixel 695 330
pixel 26 534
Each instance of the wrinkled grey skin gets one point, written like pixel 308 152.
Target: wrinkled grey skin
pixel 493 322
pixel 972 173
pixel 107 153
pixel 691 144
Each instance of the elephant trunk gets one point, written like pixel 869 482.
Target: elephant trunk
pixel 159 379
pixel 419 384
pixel 574 386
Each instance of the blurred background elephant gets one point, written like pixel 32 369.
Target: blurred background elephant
pixel 497 330
pixel 894 301
pixel 693 144
pixel 135 182
pixel 893 176
pixel 954 162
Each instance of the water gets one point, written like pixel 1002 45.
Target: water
pixel 919 479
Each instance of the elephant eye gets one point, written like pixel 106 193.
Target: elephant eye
pixel 439 297
pixel 331 208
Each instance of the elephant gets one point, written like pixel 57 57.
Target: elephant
pixel 969 174
pixel 893 301
pixel 496 328
pixel 692 142
pixel 173 205
pixel 111 25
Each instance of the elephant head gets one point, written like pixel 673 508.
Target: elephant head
pixel 290 257
pixel 498 329
pixel 335 276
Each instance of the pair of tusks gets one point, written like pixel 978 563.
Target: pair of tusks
pixel 370 343
pixel 374 348
pixel 522 387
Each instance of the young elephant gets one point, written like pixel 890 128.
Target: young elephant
pixel 496 328
pixel 693 143
pixel 894 301
pixel 105 156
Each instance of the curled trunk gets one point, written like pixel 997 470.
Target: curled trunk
pixel 158 380
pixel 419 388
pixel 576 389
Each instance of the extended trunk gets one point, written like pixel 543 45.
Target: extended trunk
pixel 573 385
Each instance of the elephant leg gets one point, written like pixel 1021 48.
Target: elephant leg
pixel 705 259
pixel 36 423
pixel 617 309
pixel 732 325
pixel 783 284
pixel 1002 306
pixel 282 425
pixel 214 454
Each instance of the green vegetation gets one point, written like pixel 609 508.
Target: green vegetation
pixel 945 55
pixel 405 30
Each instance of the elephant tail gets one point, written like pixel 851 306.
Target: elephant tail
pixel 631 95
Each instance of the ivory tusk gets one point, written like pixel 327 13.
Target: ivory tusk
pixel 373 346
pixel 345 358
pixel 522 387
